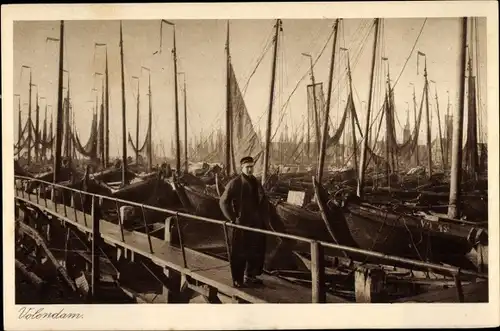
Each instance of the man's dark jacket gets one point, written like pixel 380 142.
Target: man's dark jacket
pixel 240 206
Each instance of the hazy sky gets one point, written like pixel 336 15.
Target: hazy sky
pixel 201 55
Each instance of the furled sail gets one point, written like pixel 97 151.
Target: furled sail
pixel 245 140
pixel 90 148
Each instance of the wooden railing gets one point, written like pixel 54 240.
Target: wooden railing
pixel 318 291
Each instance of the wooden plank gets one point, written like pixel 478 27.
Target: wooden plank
pixel 203 268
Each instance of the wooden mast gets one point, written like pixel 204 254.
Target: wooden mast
pixel 150 123
pixel 29 120
pixel 472 162
pixel 364 146
pixel 37 126
pixel 429 141
pixel 106 119
pixel 328 102
pixel 102 145
pixel 44 149
pixel 186 165
pixel 353 111
pixel 228 106
pixel 137 121
pixel 59 116
pixel 446 132
pixel 124 113
pixel 176 96
pixel 271 101
pixel 439 129
pixel 67 123
pixel 417 162
pixel 388 154
pixel 456 156
pixel 19 124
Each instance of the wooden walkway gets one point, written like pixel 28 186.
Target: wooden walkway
pixel 205 269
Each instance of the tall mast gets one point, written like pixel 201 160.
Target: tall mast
pixel 186 168
pixel 439 129
pixel 150 122
pixel 137 122
pixel 59 116
pixel 124 114
pixel 37 126
pixel 471 143
pixel 44 149
pixel 417 162
pixel 429 141
pixel 388 154
pixel 67 148
pixel 228 105
pixel 447 129
pixel 106 129
pixel 456 156
pixel 177 139
pixel 353 124
pixel 328 101
pixel 102 146
pixel 271 99
pixel 315 105
pixel 29 121
pixel 364 146
pixel 73 129
pixel 19 124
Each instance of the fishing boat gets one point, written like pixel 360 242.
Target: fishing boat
pixel 398 233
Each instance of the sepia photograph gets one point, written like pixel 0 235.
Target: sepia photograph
pixel 273 160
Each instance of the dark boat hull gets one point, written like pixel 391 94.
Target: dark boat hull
pixel 389 232
pixel 373 231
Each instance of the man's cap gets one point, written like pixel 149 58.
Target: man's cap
pixel 246 159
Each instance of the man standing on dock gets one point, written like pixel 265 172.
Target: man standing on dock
pixel 244 203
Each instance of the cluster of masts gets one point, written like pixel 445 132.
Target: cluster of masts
pixel 66 134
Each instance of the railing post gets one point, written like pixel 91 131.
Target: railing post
pixel 83 208
pixel 45 195
pixel 226 237
pixel 119 221
pixel 458 284
pixel 53 196
pixel 64 203
pixel 96 236
pixel 317 273
pixel 147 230
pixel 180 239
pixel 73 205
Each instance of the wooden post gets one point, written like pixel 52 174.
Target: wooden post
pixel 317 273
pixel 367 284
pixel 96 237
pixel 460 290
